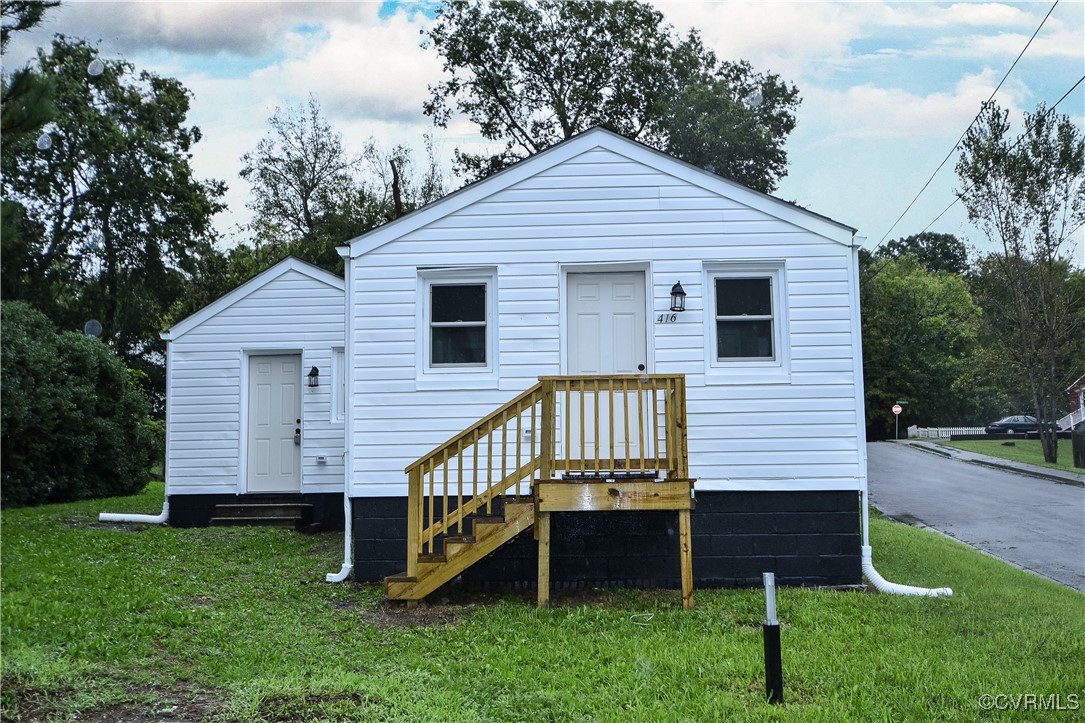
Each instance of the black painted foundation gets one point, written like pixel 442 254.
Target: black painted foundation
pixel 805 538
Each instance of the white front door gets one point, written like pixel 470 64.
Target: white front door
pixel 274 444
pixel 607 336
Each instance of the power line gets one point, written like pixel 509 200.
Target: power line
pixel 956 199
pixel 955 145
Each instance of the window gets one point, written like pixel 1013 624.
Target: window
pixel 744 318
pixel 457 324
pixel 457 328
pixel 745 323
pixel 339 384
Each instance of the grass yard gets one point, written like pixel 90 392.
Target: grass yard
pixel 104 623
pixel 1023 450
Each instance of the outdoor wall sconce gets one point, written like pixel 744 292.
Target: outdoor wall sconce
pixel 314 377
pixel 678 297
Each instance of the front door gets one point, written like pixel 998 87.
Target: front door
pixel 607 336
pixel 274 444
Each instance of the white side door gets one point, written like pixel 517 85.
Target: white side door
pixel 607 336
pixel 274 437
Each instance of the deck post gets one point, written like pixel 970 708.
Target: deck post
pixel 414 522
pixel 686 554
pixel 542 524
pixel 548 421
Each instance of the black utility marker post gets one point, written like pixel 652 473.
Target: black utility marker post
pixel 774 673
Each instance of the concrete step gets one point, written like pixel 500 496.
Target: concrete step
pixel 291 522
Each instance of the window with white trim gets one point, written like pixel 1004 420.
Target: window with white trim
pixel 339 384
pixel 457 325
pixel 746 327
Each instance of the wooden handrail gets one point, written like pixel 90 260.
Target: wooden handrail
pixel 570 425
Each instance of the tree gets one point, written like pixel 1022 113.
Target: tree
pixel 310 196
pixel 934 251
pixel 74 419
pixel 297 171
pixel 531 74
pixel 920 332
pixel 19 15
pixel 113 214
pixel 1028 198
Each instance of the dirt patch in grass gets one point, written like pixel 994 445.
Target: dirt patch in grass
pixel 181 703
pixel 88 523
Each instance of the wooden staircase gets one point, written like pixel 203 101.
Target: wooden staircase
pixel 486 478
pixel 460 553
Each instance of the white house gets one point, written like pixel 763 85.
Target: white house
pixel 561 267
pixel 564 265
pixel 242 422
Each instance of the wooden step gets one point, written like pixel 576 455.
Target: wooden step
pixel 519 516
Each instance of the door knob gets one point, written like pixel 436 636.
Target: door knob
pixel 640 367
pixel 297 437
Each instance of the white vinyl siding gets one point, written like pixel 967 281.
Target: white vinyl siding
pixel 597 210
pixel 206 399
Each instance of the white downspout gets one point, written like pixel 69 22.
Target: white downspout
pixel 348 532
pixel 880 583
pixel 348 426
pixel 148 519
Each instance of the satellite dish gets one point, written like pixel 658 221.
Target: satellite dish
pixel 95 67
pixel 92 328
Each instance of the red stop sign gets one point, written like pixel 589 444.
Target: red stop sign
pixel 897 409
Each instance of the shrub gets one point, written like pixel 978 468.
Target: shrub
pixel 73 420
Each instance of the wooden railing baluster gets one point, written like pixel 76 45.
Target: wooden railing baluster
pixel 543 403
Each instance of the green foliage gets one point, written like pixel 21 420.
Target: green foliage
pixel 934 251
pixel 531 74
pixel 1028 197
pixel 74 419
pixel 236 624
pixel 19 15
pixel 111 216
pixel 920 331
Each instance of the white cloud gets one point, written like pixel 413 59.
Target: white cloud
pixel 868 111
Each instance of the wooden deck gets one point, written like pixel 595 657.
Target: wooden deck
pixel 568 444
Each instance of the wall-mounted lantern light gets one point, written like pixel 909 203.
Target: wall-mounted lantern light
pixel 678 297
pixel 314 377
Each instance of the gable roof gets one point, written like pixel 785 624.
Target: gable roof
pixel 593 138
pixel 290 263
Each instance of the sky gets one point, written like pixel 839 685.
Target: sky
pixel 887 88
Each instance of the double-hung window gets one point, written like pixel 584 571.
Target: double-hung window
pixel 744 318
pixel 457 326
pixel 746 322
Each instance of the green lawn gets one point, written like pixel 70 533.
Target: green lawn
pixel 105 622
pixel 1023 450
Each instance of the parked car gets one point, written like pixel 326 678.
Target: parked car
pixel 1013 425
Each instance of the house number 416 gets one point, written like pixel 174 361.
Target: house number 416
pixel 667 318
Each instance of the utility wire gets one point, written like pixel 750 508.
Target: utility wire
pixel 956 199
pixel 955 145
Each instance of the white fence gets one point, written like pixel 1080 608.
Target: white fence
pixel 915 432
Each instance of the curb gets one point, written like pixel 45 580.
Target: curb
pixel 995 463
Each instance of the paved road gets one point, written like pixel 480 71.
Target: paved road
pixel 1034 523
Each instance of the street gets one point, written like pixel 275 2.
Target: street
pixel 1036 524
